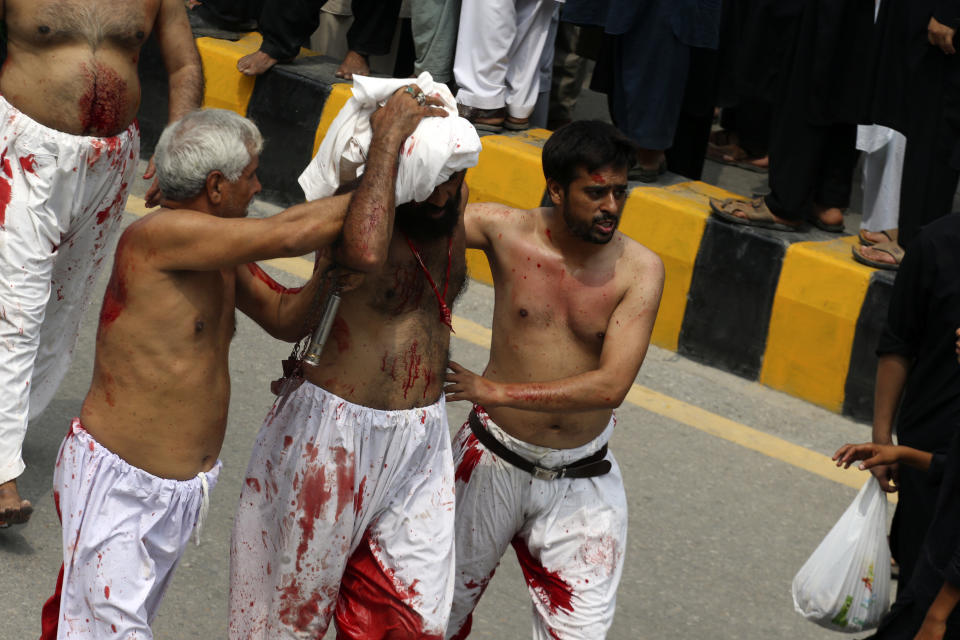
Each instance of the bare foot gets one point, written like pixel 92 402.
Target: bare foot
pixel 829 215
pixel 13 509
pixel 353 63
pixel 649 159
pixel 253 64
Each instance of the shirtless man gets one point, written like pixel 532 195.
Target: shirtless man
pixel 136 467
pixel 575 305
pixel 347 508
pixel 69 93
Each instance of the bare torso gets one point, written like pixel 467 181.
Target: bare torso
pixel 72 64
pixel 161 385
pixel 551 315
pixel 388 348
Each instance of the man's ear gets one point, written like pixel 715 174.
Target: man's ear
pixel 556 192
pixel 214 186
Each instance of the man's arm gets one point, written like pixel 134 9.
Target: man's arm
pixel 180 57
pixel 624 348
pixel 892 372
pixel 195 241
pixel 184 73
pixel 482 217
pixel 874 454
pixel 369 224
pixel 935 622
pixel 282 312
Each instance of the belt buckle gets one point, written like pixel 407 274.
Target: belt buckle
pixel 545 474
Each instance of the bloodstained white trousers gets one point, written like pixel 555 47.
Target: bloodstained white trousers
pixel 498 53
pixel 346 512
pixel 124 531
pixel 61 202
pixel 569 534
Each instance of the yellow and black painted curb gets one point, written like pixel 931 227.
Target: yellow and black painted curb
pixel 791 310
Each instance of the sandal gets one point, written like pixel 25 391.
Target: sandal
pixel 646 175
pixel 756 211
pixel 516 124
pixel 890 248
pixel 867 242
pixel 489 120
pixel 734 156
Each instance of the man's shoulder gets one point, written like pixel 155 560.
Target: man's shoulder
pixel 639 259
pixel 499 210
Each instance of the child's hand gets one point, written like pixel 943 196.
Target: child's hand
pixel 872 455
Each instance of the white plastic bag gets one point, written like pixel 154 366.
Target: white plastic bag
pixel 845 584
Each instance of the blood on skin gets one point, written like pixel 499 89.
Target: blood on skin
pixel 413 368
pixel 270 282
pixel 552 590
pixel 102 107
pixel 341 333
pixel 471 457
pixel 597 178
pixel 115 299
pixel 374 603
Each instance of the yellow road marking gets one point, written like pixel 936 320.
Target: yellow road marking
pixel 643 397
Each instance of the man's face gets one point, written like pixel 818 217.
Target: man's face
pixel 593 202
pixel 238 195
pixel 435 217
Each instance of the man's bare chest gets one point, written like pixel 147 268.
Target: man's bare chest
pixel 418 277
pixel 123 23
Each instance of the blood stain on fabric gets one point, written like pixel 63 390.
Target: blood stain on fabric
pixel 358 498
pixel 552 590
pixel 106 592
pixel 313 497
pixel 287 441
pixel 28 163
pixel 471 457
pixel 254 484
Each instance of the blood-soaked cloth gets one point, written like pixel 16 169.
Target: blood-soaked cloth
pixel 124 531
pixel 346 513
pixel 569 534
pixel 61 202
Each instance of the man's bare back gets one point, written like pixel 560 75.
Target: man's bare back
pixel 387 348
pixel 87 52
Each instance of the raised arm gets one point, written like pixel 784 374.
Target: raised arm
pixel 369 225
pixel 195 241
pixel 624 348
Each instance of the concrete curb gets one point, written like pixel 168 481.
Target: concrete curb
pixel 791 310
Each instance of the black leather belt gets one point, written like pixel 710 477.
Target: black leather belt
pixel 589 467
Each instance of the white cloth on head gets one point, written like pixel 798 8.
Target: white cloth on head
pixel 438 148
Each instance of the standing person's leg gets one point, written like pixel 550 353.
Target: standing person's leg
pixel 524 59
pixel 398 582
pixel 538 118
pixel 488 515
pixel 286 25
pixel 796 147
pixel 569 74
pixel 371 34
pixel 835 183
pixel 650 67
pixel 882 170
pixel 434 24
pixel 487 31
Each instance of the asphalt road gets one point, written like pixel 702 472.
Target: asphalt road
pixel 721 514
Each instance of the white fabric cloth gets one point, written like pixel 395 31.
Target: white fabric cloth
pixel 61 202
pixel 438 148
pixel 124 531
pixel 498 53
pixel 883 150
pixel 569 534
pixel 338 495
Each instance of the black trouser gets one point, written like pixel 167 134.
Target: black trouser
pixel 750 120
pixel 286 25
pixel 929 178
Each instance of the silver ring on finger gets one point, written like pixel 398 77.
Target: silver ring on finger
pixel 421 98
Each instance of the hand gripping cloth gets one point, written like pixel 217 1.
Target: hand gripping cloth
pixel 438 148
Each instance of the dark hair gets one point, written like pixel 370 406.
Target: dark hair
pixel 589 143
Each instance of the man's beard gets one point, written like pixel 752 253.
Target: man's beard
pixel 585 230
pixel 417 221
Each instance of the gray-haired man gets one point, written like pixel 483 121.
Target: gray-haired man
pixel 136 466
